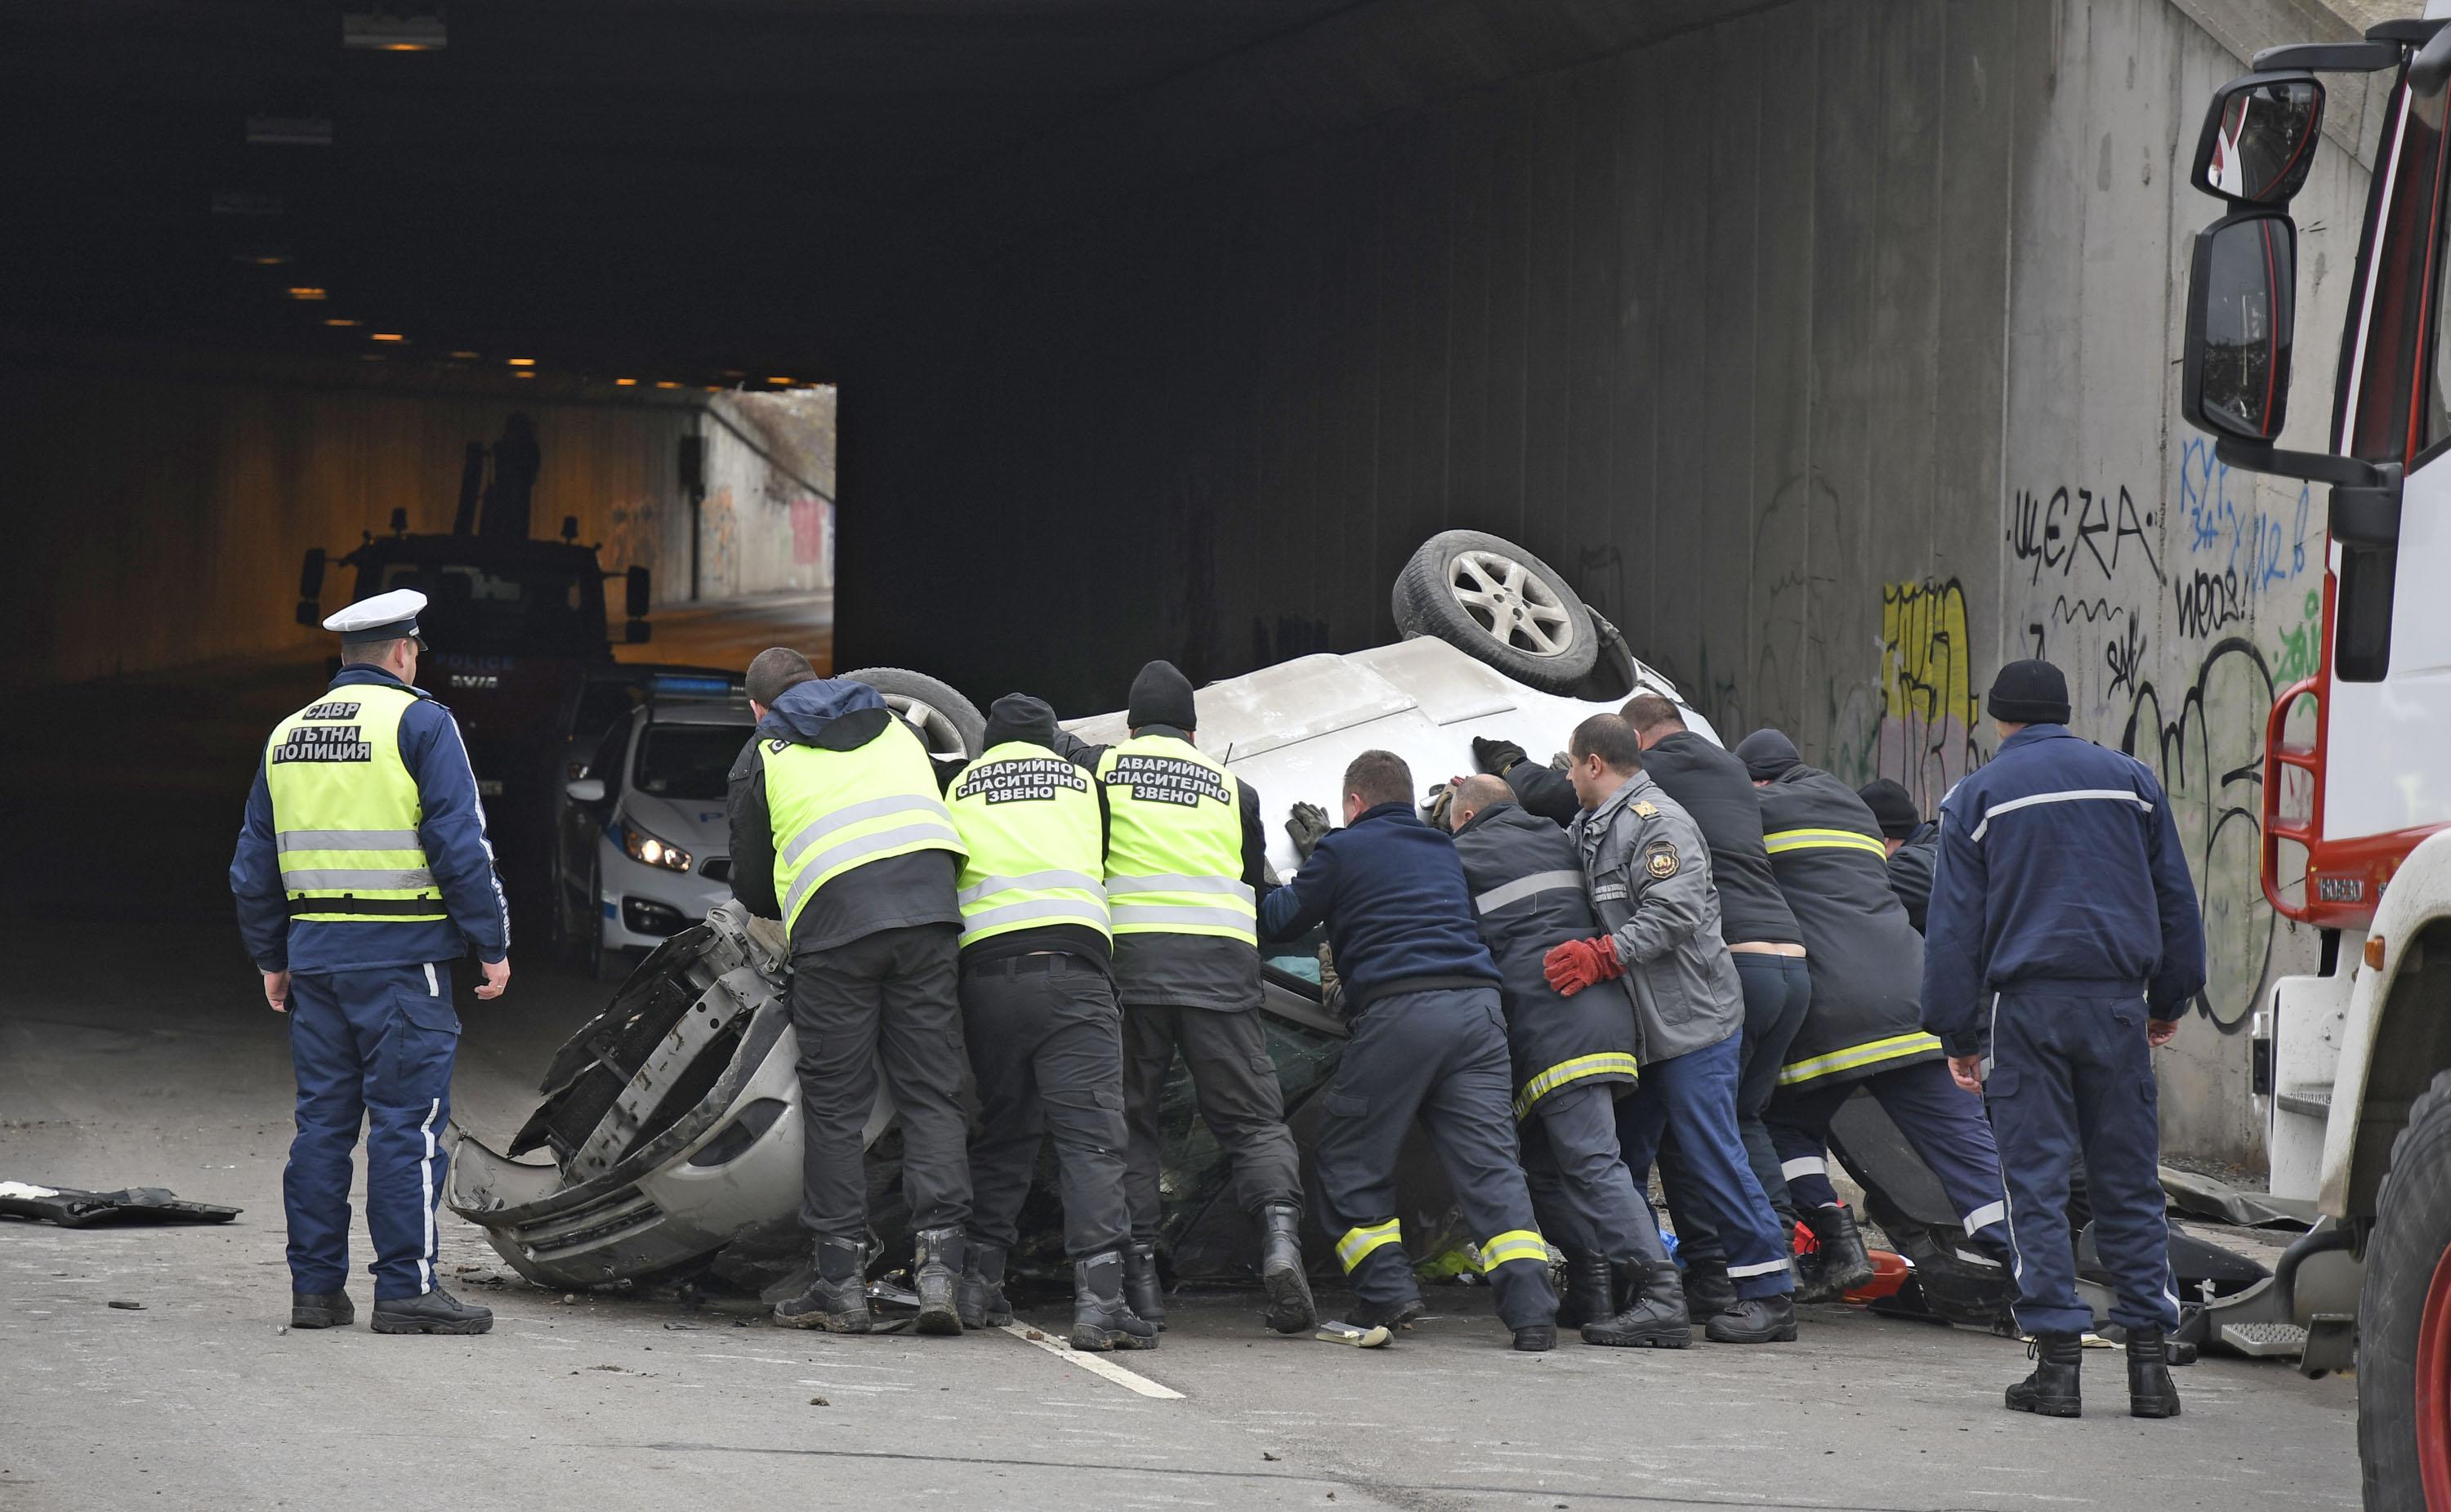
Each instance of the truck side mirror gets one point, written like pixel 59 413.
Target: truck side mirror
pixel 310 588
pixel 635 595
pixel 570 527
pixel 2242 319
pixel 637 632
pixel 400 522
pixel 2259 138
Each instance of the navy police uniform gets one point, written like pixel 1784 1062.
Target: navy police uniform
pixel 362 870
pixel 2061 918
pixel 1428 1042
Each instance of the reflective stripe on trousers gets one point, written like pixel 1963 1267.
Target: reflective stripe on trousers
pixel 1358 1243
pixel 1605 1063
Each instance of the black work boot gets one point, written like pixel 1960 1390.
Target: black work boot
pixel 935 1277
pixel 2051 1390
pixel 1755 1320
pixel 2150 1392
pixel 437 1312
pixel 1100 1319
pixel 1840 1263
pixel 1588 1300
pixel 321 1309
pixel 838 1300
pixel 1651 1309
pixel 1290 1309
pixel 1370 1315
pixel 1707 1290
pixel 1537 1339
pixel 979 1299
pixel 1142 1289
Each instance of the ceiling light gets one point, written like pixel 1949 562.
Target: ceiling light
pixel 666 383
pixel 734 372
pixel 262 259
pixel 783 383
pixel 288 130
pixel 524 372
pixel 386 336
pixel 376 31
pixel 521 361
pixel 467 357
pixel 625 382
pixel 342 320
pixel 305 291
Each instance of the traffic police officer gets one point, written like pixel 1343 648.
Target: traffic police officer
pixel 1648 877
pixel 361 872
pixel 839 830
pixel 1428 1041
pixel 1039 1015
pixel 1186 860
pixel 2064 945
pixel 1573 1057
pixel 1865 1026
pixel 1912 841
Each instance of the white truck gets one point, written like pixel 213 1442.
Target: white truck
pixel 2353 1065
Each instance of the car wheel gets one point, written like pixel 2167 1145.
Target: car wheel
pixel 1500 604
pixel 950 725
pixel 2404 1319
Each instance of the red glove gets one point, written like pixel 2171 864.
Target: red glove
pixel 1578 963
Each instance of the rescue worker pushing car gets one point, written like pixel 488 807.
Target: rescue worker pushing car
pixel 2064 945
pixel 1649 877
pixel 1573 1057
pixel 1186 860
pixel 1866 1024
pixel 839 830
pixel 1428 1042
pixel 1039 1017
pixel 1912 841
pixel 361 874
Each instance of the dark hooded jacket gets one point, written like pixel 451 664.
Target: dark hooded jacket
pixel 834 714
pixel 1527 893
pixel 1866 959
pixel 1910 870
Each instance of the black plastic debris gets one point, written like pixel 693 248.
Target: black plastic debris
pixel 71 1207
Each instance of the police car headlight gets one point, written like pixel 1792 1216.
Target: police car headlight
pixel 654 852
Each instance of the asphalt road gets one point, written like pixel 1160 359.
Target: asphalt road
pixel 138 1054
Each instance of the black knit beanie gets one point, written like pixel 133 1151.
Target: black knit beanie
pixel 1161 695
pixel 1019 717
pixel 1893 806
pixel 1766 755
pixel 2029 692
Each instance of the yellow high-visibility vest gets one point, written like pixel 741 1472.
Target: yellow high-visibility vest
pixel 833 811
pixel 1174 842
pixel 345 810
pixel 1030 821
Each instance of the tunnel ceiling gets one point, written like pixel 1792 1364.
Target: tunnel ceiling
pixel 658 188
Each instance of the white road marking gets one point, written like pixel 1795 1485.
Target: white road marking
pixel 1095 1365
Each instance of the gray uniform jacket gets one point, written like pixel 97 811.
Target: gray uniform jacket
pixel 1650 879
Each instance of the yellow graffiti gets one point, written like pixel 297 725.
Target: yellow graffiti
pixel 1925 647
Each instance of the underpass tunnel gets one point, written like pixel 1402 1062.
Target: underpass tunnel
pixel 1825 347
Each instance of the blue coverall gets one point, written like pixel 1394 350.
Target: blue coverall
pixel 372 1031
pixel 2061 918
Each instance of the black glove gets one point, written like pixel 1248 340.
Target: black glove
pixel 1494 756
pixel 1306 824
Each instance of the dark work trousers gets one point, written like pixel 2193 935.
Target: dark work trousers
pixel 1779 988
pixel 1235 1083
pixel 1942 1121
pixel 885 999
pixel 1694 1097
pixel 1580 1188
pixel 374 1047
pixel 1046 1043
pixel 2071 1075
pixel 1439 1056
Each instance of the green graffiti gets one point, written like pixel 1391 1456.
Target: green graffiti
pixel 2298 648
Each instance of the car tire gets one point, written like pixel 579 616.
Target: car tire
pixel 2404 1319
pixel 1498 604
pixel 943 717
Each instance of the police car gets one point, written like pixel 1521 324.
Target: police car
pixel 644 846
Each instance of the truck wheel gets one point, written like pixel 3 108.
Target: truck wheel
pixel 1498 604
pixel 948 723
pixel 2404 1321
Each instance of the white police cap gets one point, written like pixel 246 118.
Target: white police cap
pixel 384 617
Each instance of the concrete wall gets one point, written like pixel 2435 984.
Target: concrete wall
pixel 767 522
pixel 1830 349
pixel 192 491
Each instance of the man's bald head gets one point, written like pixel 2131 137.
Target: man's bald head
pixel 1473 795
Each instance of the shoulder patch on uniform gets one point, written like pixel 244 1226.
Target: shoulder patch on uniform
pixel 1646 808
pixel 1660 860
pixel 778 745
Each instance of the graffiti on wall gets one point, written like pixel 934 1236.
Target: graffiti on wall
pixel 1930 708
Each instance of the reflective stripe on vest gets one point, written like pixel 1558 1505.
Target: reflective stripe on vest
pixel 1030 821
pixel 345 810
pixel 1174 845
pixel 1507 894
pixel 1856 1057
pixel 1605 1063
pixel 835 810
pixel 1782 841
